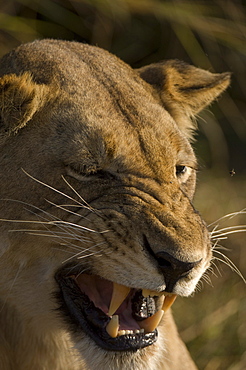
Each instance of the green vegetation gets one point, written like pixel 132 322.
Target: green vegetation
pixel 211 35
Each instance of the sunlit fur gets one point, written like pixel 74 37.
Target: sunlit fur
pixel 97 173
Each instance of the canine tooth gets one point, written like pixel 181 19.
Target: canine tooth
pixel 161 300
pixel 113 326
pixel 128 331
pixel 168 301
pixel 120 292
pixel 151 322
pixel 136 331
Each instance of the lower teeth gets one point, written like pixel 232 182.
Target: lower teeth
pixel 125 332
pixel 121 332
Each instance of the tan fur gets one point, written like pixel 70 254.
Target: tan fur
pixel 116 135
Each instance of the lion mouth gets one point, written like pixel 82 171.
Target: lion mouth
pixel 116 317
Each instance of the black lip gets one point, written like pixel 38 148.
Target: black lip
pixel 83 315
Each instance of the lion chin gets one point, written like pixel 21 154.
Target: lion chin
pixel 98 232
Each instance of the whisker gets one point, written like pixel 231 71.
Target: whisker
pixel 63 250
pixel 223 235
pixel 55 234
pixel 75 246
pixel 76 226
pixel 220 247
pixel 228 228
pixel 54 189
pixel 29 210
pixel 217 268
pixel 80 239
pixel 74 267
pixel 229 215
pixel 215 244
pixel 207 279
pixel 55 223
pixel 63 207
pixel 229 263
pixel 78 255
pixel 80 197
pixel 59 236
pixel 236 227
pixel 74 256
pixel 218 238
pixel 40 216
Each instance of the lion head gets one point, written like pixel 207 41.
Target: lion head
pixel 98 231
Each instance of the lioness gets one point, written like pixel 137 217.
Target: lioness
pixel 98 232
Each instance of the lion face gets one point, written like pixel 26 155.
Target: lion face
pixel 97 165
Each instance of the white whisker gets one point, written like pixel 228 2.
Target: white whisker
pixel 218 238
pixel 229 263
pixel 54 189
pixel 55 234
pixel 207 278
pixel 229 228
pixel 54 223
pixel 217 235
pixel 223 235
pixel 63 208
pixel 78 255
pixel 79 196
pixel 217 268
pixel 76 226
pixel 229 216
pixel 30 211
pixel 63 250
pixel 63 238
pixel 220 247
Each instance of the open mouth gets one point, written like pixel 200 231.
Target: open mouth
pixel 116 317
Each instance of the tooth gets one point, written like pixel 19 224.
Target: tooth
pixel 161 300
pixel 168 301
pixel 121 332
pixel 113 326
pixel 151 293
pixel 120 292
pixel 145 293
pixel 151 322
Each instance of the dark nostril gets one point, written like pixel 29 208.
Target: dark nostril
pixel 173 266
pixel 162 262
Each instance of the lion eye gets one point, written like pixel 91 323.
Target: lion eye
pixel 85 175
pixel 180 170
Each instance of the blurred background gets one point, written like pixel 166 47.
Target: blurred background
pixel 210 35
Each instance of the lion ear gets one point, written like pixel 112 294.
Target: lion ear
pixel 184 90
pixel 20 98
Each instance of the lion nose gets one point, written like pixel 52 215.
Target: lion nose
pixel 173 269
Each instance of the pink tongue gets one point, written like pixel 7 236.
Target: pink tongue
pixel 125 313
pixel 97 289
